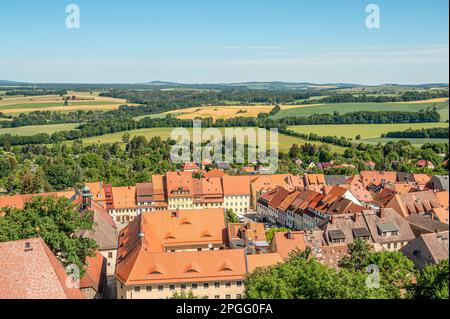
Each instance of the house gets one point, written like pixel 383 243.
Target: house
pixel 145 197
pixel 29 270
pixel 424 164
pixel 214 173
pixel 191 167
pixel 377 178
pixel 326 255
pixel 311 166
pixel 357 188
pixel 208 193
pixel 388 229
pixel 93 282
pixel 267 206
pixel 424 224
pixel 439 183
pixel 236 193
pixel 286 243
pixel 336 180
pixel 124 207
pixel 165 252
pixel 370 165
pixel 314 182
pixel 422 181
pixel 255 261
pixel 440 214
pixel 324 165
pixel 19 201
pixel 427 249
pixel 251 236
pixel 249 170
pixel 414 203
pixel 260 185
pixel 345 228
pixel 180 190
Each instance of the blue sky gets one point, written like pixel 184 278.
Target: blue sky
pixel 225 41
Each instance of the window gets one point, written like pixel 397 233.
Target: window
pixel 395 245
pixel 239 283
pixel 227 296
pixel 110 255
pixel 206 285
pixel 137 289
pixel 238 296
pixel 194 286
pixel 228 284
pixel 148 288
pixel 216 297
pixel 217 285
pixel 183 286
pixel 160 288
pixel 172 287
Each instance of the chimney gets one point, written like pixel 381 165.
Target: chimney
pixel 355 215
pixel 331 219
pixel 289 235
pixel 381 213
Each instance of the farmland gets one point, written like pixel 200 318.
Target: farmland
pixel 83 101
pixel 37 129
pixel 285 142
pixel 370 133
pixel 307 110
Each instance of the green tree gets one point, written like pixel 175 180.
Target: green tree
pixel 231 216
pixel 432 282
pixel 358 256
pixel 271 232
pixel 57 222
pixel 185 295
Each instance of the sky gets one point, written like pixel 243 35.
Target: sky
pixel 217 41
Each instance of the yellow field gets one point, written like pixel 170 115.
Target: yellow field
pixel 84 101
pixel 226 111
pixel 437 100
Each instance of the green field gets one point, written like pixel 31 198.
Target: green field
pixel 285 142
pixel 414 141
pixel 51 104
pixel 36 129
pixel 367 131
pixel 306 110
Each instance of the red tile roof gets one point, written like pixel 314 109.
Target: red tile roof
pixel 33 272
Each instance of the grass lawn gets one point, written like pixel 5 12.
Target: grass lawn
pixel 307 110
pixel 367 131
pixel 36 129
pixel 284 142
pixel 414 141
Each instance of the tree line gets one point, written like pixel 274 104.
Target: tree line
pixel 435 132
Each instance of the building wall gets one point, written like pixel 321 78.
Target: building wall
pixel 181 203
pixel 238 203
pixel 111 256
pixel 154 291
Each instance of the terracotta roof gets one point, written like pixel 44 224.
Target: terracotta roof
pixel 19 201
pixel 249 231
pixel 388 217
pixel 190 167
pixel 286 243
pixel 377 178
pixel 104 230
pixel 214 173
pixel 97 191
pixel 158 187
pixel 236 185
pixel 95 272
pixel 142 245
pixel 442 214
pixel 269 182
pixel 422 179
pixel 442 198
pixel 144 192
pixel 288 200
pixel 29 270
pixel 262 260
pixel 124 197
pixel 358 189
pixel 177 181
pixel 417 202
